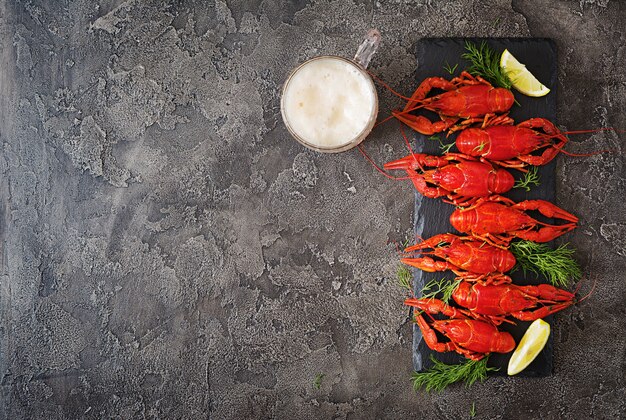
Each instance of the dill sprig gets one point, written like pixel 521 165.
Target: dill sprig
pixel 556 264
pixel 445 148
pixel 530 178
pixel 480 147
pixel 450 69
pixel 441 375
pixel 485 62
pixel 317 382
pixel 405 278
pixel 443 286
pixel 473 410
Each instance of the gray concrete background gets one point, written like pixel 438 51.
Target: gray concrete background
pixel 169 252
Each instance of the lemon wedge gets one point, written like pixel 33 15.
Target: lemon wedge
pixel 531 344
pixel 522 79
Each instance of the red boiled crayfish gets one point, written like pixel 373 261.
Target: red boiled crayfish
pixel 472 338
pixel 498 220
pixel 512 145
pixel 460 178
pixel 466 97
pixel 462 255
pixel 497 301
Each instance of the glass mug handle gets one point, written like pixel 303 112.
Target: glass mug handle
pixel 367 48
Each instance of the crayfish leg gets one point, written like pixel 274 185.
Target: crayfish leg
pixel 499 241
pixel 430 336
pixel 548 292
pixel 422 124
pixel 434 241
pixel 422 187
pixel 547 209
pixel 467 79
pixel 545 158
pixel 513 163
pixel 545 234
pixel 491 319
pixel 541 312
pixel 503 119
pixel 436 306
pixel 428 264
pixel 426 86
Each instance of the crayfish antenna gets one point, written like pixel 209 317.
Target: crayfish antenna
pixel 390 89
pixel 378 168
pixel 384 121
pixel 597 130
pixel 418 239
pixel 593 287
pixel 386 86
pixel 398 245
pixel 585 154
pixel 382 171
pixel 408 145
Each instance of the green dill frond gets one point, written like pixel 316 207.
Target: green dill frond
pixel 473 410
pixel 442 287
pixel 480 147
pixel 557 265
pixel 449 289
pixel 317 382
pixel 530 178
pixel 405 278
pixel 449 69
pixel 438 377
pixel 445 148
pixel 485 62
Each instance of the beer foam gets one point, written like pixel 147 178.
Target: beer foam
pixel 328 102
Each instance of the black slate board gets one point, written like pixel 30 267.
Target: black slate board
pixel 432 216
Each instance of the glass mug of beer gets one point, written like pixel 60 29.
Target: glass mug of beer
pixel 329 103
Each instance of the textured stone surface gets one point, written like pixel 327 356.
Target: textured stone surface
pixel 169 252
